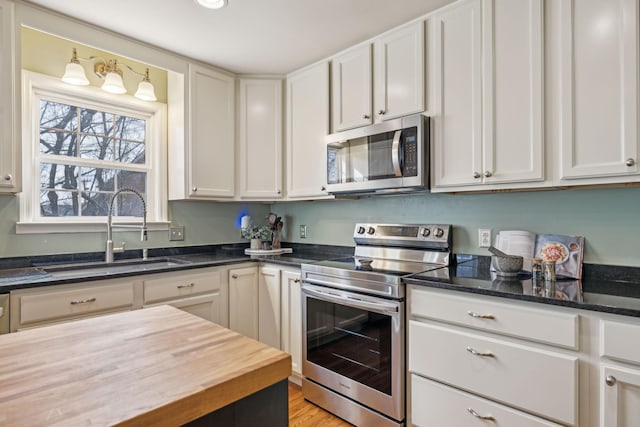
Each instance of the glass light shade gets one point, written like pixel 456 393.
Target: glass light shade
pixel 74 74
pixel 113 83
pixel 212 4
pixel 146 91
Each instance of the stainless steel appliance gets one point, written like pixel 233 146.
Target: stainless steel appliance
pixel 354 320
pixel 391 156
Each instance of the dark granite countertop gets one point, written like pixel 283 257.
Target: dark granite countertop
pixel 608 289
pixel 30 272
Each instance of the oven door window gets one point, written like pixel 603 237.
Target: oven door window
pixel 352 342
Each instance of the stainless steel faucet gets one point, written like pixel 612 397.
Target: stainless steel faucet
pixel 110 250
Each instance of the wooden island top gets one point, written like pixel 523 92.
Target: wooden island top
pixel 158 366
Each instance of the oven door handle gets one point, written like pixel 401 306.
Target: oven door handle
pixel 380 307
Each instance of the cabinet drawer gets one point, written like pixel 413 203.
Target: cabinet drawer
pixel 546 326
pixel 437 405
pixel 615 341
pixel 180 285
pixel 534 380
pixel 77 302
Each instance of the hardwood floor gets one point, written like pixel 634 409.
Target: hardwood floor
pixel 306 414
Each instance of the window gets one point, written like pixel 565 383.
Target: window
pixel 80 146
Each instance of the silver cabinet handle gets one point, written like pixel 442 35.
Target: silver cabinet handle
pixel 279 192
pixel 488 174
pixel 234 276
pixel 476 175
pixel 194 189
pixel 323 188
pixel 190 285
pixel 82 301
pixel 8 177
pixel 481 417
pixel 382 113
pixel 366 116
pixel 478 353
pixel 610 380
pixel 480 316
pixel 630 162
pixel 296 280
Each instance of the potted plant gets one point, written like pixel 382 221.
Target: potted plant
pixel 257 234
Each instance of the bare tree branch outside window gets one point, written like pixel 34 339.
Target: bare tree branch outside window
pixel 84 159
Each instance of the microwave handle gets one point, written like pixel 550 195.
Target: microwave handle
pixel 395 153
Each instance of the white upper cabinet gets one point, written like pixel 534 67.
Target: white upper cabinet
pixel 208 158
pixel 399 72
pixel 307 126
pixel 599 78
pixel 260 122
pixel 385 85
pixel 488 84
pixel 352 98
pixel 9 173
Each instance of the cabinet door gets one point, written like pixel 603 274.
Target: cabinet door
pixel 620 402
pixel 211 151
pixel 599 134
pixel 307 127
pixel 209 307
pixel 243 301
pixel 269 306
pixel 513 91
pixel 399 72
pixel 351 88
pixel 292 319
pixel 9 172
pixel 260 138
pixel 457 113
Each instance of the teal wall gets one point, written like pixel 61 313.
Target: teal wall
pixel 609 218
pixel 204 222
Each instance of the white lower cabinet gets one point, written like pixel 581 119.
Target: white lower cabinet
pixel 510 374
pixel 437 405
pixel 269 320
pixel 54 304
pixel 243 301
pixel 202 292
pixel 619 374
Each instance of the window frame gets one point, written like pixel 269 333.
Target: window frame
pixel 38 86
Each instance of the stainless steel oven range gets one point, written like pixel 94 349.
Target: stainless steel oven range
pixel 354 320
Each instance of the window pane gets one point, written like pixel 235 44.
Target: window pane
pixel 94 122
pixel 58 142
pixel 58 176
pixel 95 204
pixel 135 180
pixel 58 203
pixel 97 179
pixel 128 204
pixel 130 152
pixel 130 128
pixel 96 147
pixel 54 115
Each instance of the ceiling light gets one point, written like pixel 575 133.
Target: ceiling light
pixel 110 73
pixel 212 4
pixel 74 72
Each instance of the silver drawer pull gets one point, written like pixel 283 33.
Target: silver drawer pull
pixel 190 285
pixel 610 380
pixel 234 276
pixel 82 301
pixel 296 280
pixel 481 417
pixel 479 353
pixel 480 316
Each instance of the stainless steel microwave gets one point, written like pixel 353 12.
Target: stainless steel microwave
pixel 392 156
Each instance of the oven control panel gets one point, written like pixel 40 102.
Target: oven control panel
pixel 418 235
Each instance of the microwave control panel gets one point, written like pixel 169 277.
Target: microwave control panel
pixel 410 151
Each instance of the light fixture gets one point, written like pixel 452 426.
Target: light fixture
pixel 74 72
pixel 212 4
pixel 111 73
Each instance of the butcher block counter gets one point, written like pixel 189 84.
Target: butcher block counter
pixel 154 367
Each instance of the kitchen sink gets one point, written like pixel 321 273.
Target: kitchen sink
pixel 103 269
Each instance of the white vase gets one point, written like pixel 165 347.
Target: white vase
pixel 256 243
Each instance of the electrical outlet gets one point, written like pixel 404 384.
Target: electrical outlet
pixel 176 233
pixel 484 237
pixel 303 231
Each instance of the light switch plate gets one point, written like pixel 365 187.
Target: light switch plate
pixel 303 231
pixel 176 233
